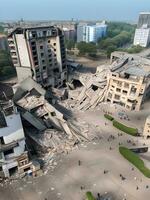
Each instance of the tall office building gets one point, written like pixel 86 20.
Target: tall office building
pixel 39 52
pixel 142 33
pixel 91 33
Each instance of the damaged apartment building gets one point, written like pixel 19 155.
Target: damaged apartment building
pixel 45 124
pixel 126 82
pixel 13 153
pixel 39 52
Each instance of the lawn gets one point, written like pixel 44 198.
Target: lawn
pixel 135 160
pixel 89 196
pixel 126 129
pixel 122 127
pixel 109 117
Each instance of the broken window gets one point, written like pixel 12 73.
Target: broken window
pixel 118 90
pixel 53 114
pixel 94 87
pixel 117 97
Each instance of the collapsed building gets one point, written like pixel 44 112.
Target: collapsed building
pixel 39 52
pixel 13 152
pixel 126 81
pixel 47 126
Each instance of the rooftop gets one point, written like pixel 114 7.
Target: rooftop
pixel 136 71
pixel 14 126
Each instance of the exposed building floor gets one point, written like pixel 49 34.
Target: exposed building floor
pixel 66 180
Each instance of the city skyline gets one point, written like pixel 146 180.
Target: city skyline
pixel 80 9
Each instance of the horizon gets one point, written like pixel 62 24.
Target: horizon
pixel 64 10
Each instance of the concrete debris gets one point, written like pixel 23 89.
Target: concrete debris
pixel 127 69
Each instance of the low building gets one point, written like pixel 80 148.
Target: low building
pixel 146 132
pixel 13 153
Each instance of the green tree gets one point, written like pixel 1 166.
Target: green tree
pixel 87 48
pixel 70 44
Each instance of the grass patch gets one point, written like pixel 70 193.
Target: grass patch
pixel 126 129
pixel 109 117
pixel 135 160
pixel 89 196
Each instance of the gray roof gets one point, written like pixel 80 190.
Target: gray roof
pixel 137 71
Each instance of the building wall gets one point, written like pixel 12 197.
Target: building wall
pixel 146 131
pixel 142 37
pixel 22 50
pixel 23 73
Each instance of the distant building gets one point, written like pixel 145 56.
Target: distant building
pixel 91 33
pixel 39 52
pixel 3 42
pixel 142 33
pixel 13 153
pixel 70 34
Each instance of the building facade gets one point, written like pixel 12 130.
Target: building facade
pixel 13 153
pixel 142 33
pixel 39 52
pixel 91 33
pixel 127 88
pixel 146 132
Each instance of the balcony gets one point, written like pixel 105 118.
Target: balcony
pixel 5 147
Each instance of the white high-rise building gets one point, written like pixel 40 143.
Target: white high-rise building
pixel 142 33
pixel 91 33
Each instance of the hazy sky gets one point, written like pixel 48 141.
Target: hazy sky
pixel 77 9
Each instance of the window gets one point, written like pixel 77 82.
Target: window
pixel 54 49
pixel 126 85
pixel 117 97
pixel 38 76
pixel 44 67
pixel 37 70
pixel 49 41
pixel 54 44
pixel 43 61
pixel 8 152
pixel 42 54
pixel 53 113
pixel 118 90
pixel 41 47
pixel 36 63
pixel 124 92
